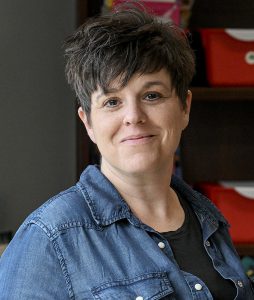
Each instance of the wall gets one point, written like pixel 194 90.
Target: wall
pixel 37 108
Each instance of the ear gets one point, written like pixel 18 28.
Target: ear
pixel 186 110
pixel 87 123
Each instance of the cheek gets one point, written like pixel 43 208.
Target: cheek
pixel 179 120
pixel 173 126
pixel 172 121
pixel 105 131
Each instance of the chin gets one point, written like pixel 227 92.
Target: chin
pixel 140 166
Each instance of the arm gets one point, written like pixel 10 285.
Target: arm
pixel 30 269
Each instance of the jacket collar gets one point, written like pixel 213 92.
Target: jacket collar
pixel 105 203
pixel 198 201
pixel 107 206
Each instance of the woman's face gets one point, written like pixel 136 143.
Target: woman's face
pixel 137 128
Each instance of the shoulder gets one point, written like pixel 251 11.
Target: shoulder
pixel 68 209
pixel 77 206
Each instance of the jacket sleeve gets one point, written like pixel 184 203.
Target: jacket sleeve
pixel 30 268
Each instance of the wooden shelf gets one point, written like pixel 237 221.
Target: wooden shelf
pixel 245 249
pixel 223 93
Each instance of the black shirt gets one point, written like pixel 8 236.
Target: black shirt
pixel 191 256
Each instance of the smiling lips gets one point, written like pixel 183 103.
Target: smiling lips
pixel 137 139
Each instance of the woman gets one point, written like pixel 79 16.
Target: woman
pixel 128 229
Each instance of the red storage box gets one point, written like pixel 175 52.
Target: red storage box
pixel 236 203
pixel 229 56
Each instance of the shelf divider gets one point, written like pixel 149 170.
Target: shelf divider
pixel 223 93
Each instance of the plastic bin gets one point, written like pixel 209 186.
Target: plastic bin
pixel 235 200
pixel 229 55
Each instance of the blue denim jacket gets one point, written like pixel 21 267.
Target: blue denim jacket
pixel 86 244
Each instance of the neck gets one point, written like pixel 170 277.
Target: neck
pixel 149 196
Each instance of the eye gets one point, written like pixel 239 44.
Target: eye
pixel 112 103
pixel 152 96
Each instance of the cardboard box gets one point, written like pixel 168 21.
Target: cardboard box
pixel 229 55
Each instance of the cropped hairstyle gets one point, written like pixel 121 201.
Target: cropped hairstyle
pixel 125 42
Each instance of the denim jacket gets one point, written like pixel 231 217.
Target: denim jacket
pixel 85 243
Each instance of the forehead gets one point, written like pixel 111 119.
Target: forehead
pixel 141 80
pixel 137 84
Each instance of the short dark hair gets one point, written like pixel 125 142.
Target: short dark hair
pixel 122 43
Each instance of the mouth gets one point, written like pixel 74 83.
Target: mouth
pixel 137 138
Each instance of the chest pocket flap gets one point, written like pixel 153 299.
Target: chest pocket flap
pixel 149 286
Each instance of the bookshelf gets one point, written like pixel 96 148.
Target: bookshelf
pixel 223 93
pixel 245 249
pixel 218 144
pixel 219 141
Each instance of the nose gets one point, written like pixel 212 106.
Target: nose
pixel 134 114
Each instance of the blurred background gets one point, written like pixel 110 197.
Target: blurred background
pixel 37 108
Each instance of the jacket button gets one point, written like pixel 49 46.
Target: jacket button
pixel 198 287
pixel 161 245
pixel 207 243
pixel 139 298
pixel 240 283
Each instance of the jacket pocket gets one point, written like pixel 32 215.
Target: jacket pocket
pixel 150 286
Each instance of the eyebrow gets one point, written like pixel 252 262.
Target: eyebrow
pixel 151 83
pixel 109 91
pixel 145 86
